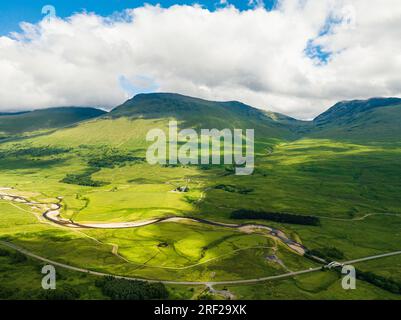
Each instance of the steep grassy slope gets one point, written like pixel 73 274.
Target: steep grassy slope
pixel 377 119
pixel 127 125
pixel 18 123
pixel 197 113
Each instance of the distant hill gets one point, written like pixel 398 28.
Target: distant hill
pixel 17 123
pixel 126 126
pixel 373 120
pixel 199 113
pixel 376 119
pixel 12 113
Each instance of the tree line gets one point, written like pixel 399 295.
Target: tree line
pixel 123 289
pixel 245 214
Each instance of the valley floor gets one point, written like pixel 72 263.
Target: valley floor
pixel 135 225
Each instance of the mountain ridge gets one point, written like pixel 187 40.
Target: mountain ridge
pixel 371 120
pixel 200 113
pixel 165 96
pixel 343 107
pixel 49 118
pixel 374 119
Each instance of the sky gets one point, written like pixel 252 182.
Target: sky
pixel 297 57
pixel 12 13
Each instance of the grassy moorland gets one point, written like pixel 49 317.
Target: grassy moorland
pixel 96 170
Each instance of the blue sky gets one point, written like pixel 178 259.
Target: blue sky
pixel 308 56
pixel 12 12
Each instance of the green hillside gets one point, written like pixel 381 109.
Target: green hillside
pixel 373 120
pixel 126 125
pixel 199 113
pixel 12 124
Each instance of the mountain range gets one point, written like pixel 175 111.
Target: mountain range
pixel 376 119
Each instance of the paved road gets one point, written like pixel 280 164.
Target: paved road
pixel 207 283
pixel 374 257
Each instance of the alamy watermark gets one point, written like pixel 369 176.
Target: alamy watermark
pixel 349 279
pixel 49 11
pixel 49 280
pixel 190 147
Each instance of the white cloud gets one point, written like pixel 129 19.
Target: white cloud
pixel 255 56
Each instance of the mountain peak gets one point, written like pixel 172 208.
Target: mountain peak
pixel 169 96
pixel 200 113
pixel 164 103
pixel 348 110
pixel 159 95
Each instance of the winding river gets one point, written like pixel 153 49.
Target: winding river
pixel 52 212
